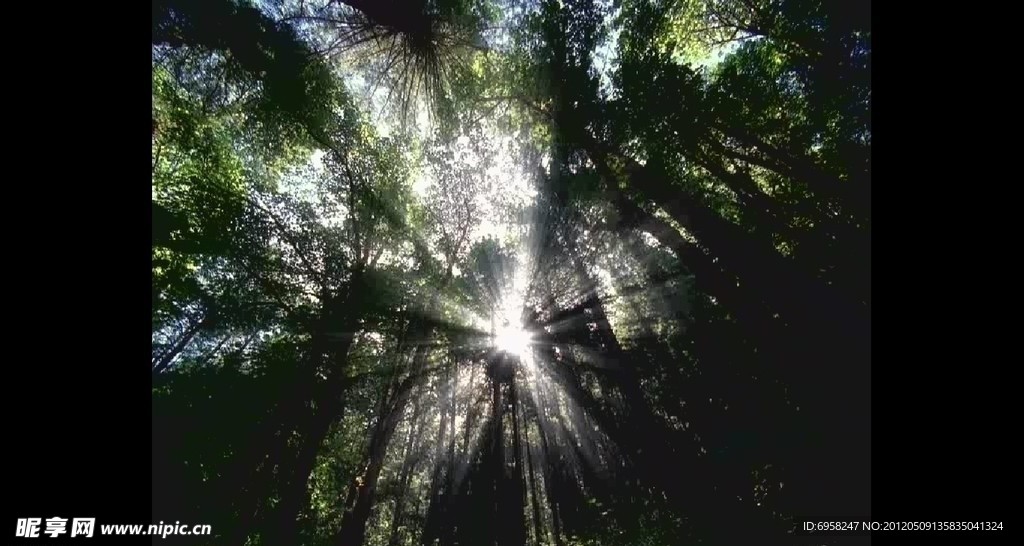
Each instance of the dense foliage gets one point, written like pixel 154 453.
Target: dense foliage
pixel 510 272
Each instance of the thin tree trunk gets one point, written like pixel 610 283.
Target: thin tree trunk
pixel 435 517
pixel 519 475
pixel 470 415
pixel 411 449
pixel 549 471
pixel 498 456
pixel 534 502
pixel 449 476
pixel 170 354
pixel 209 354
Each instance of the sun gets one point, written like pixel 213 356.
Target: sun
pixel 512 340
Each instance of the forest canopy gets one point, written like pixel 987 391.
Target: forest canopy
pixel 510 272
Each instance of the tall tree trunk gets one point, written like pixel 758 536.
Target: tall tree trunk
pixel 283 523
pixel 645 447
pixel 817 311
pixel 341 320
pixel 353 525
pixel 710 278
pixel 498 457
pixel 448 535
pixel 550 469
pixel 799 297
pixel 471 405
pixel 534 501
pixel 799 167
pixel 252 472
pixel 436 510
pixel 410 454
pixel 516 494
